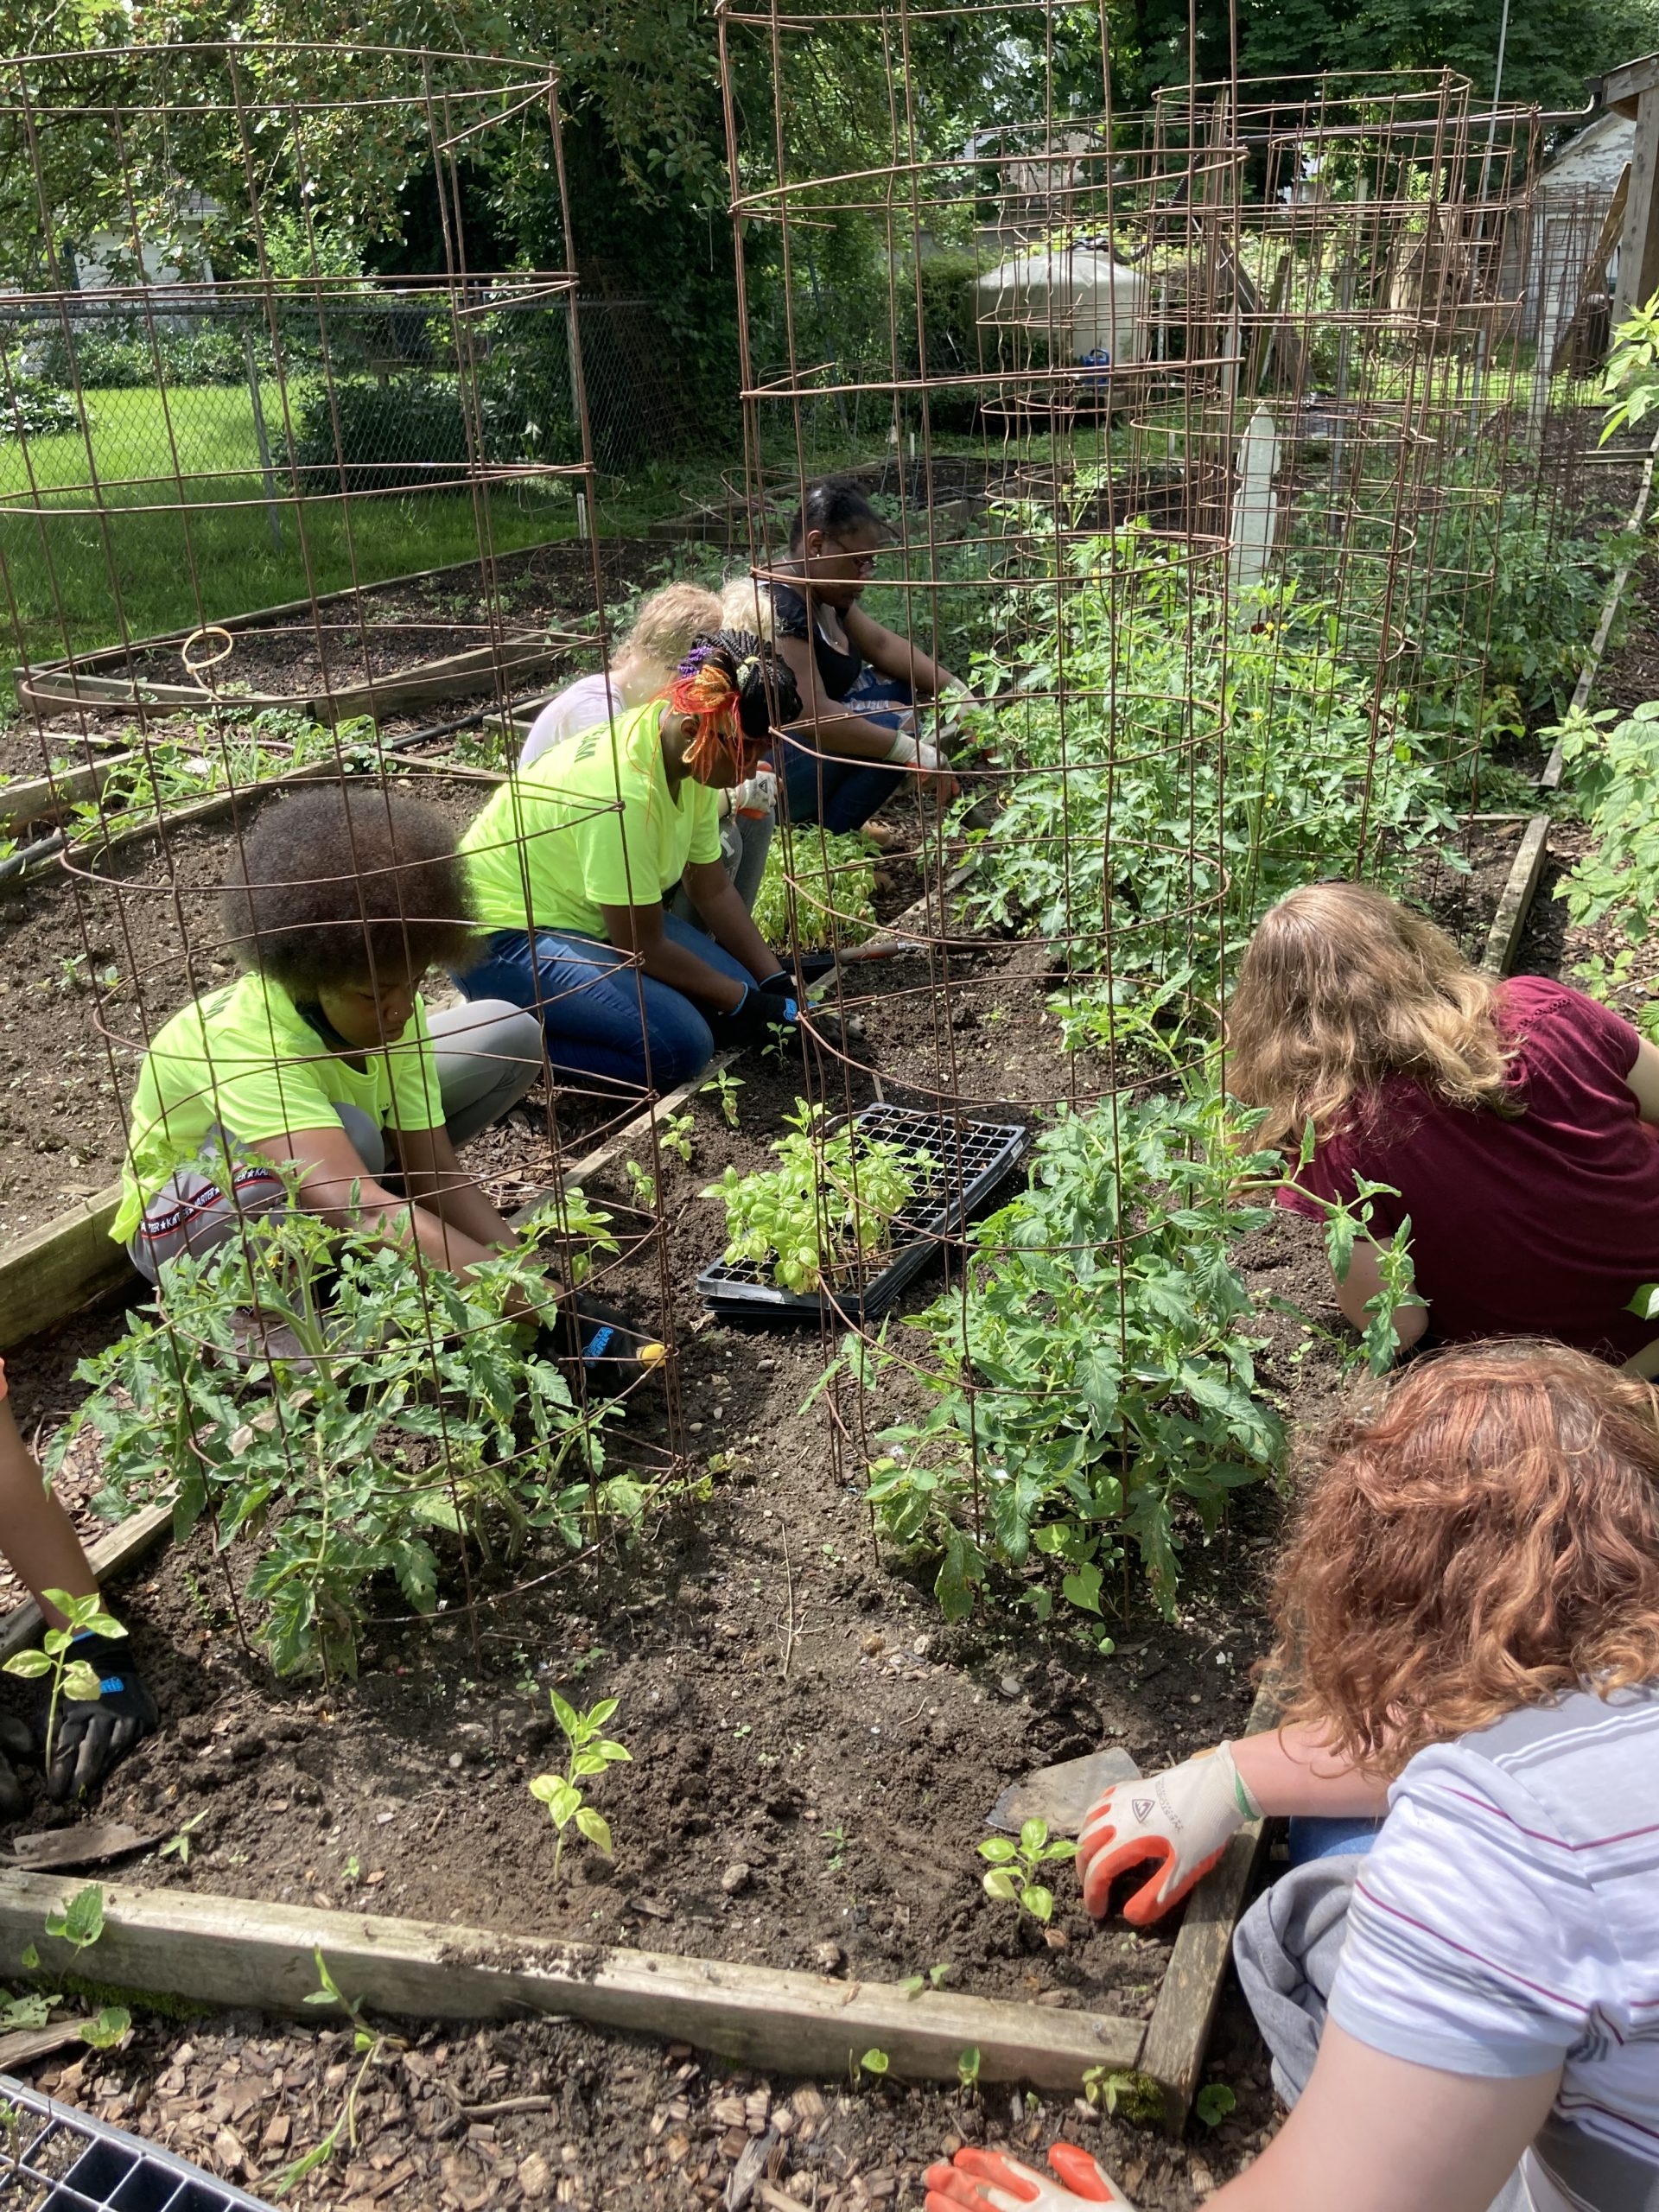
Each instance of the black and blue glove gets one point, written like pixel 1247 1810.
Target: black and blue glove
pixel 767 1014
pixel 93 1733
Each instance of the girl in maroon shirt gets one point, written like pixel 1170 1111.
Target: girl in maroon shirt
pixel 1516 1120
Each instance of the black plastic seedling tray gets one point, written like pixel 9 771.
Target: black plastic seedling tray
pixel 973 1158
pixel 55 2159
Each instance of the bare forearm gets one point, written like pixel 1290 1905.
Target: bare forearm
pixel 1289 1771
pixel 461 1205
pixel 733 928
pixel 849 737
pixel 39 1537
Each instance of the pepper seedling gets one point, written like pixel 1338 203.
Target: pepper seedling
pixel 591 1753
pixel 1015 1867
pixel 77 1679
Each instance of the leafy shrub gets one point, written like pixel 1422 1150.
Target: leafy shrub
pixel 1094 1372
pixel 34 411
pixel 1614 763
pixel 401 1414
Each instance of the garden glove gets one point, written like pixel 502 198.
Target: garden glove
pixel 1181 1821
pixel 756 797
pixel 17 1741
pixel 611 1348
pixel 990 2181
pixel 94 1733
pixel 762 1016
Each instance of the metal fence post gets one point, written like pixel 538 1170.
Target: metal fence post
pixel 273 513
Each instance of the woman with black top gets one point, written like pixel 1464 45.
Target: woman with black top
pixel 857 742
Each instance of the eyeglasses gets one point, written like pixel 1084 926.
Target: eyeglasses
pixel 864 563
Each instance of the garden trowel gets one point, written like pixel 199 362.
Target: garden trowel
pixel 1061 1795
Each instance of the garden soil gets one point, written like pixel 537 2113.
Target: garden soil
pixel 814 1749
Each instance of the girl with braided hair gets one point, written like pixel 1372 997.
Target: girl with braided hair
pixel 570 864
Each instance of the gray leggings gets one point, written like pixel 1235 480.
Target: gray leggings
pixel 487 1054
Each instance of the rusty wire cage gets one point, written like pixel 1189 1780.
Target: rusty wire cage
pixel 1219 452
pixel 273 524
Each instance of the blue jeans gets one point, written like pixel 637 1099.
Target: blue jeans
pixel 590 1001
pixel 843 794
pixel 1322 1837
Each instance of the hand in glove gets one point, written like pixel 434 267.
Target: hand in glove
pixel 611 1348
pixel 757 795
pixel 990 2181
pixel 766 1014
pixel 15 1742
pixel 93 1733
pixel 1180 1820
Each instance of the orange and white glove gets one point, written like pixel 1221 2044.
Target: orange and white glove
pixel 1180 1820
pixel 990 2181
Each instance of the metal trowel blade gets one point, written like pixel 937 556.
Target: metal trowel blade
pixel 1061 1795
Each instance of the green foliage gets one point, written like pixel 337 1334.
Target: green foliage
pixel 832 1200
pixel 1094 1370
pixel 833 888
pixel 967 2067
pixel 367 2044
pixel 1631 390
pixel 1103 825
pixel 169 771
pixel 72 1678
pixel 590 1752
pixel 1213 2103
pixel 80 1922
pixel 876 2062
pixel 1347 1221
pixel 1015 1865
pixel 409 1411
pixel 725 1086
pixel 1136 2097
pixel 1613 761
pixel 35 410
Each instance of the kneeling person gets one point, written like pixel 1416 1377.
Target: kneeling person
pixel 323 1057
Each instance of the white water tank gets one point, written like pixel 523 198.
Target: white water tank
pixel 1100 302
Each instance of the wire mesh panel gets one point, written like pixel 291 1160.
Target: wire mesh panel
pixel 285 539
pixel 1212 449
pixel 55 2159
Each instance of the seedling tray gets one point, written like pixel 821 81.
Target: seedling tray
pixel 56 2159
pixel 973 1158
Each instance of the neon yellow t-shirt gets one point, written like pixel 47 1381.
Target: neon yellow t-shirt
pixel 245 1057
pixel 558 828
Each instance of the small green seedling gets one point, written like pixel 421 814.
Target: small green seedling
pixel 641 1182
pixel 367 2043
pixel 674 1135
pixel 1137 2095
pixel 914 1983
pixel 591 1753
pixel 967 2067
pixel 80 1922
pixel 178 1846
pixel 876 2062
pixel 726 1087
pixel 71 1677
pixel 1014 1866
pixel 1213 2103
pixel 353 1870
pixel 106 2027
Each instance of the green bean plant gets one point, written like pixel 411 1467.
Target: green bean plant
pixel 170 771
pixel 384 1407
pixel 832 1201
pixel 1095 1373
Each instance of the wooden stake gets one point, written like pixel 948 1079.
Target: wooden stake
pixel 231 1951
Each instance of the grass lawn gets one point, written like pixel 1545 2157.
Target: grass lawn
pixel 108 553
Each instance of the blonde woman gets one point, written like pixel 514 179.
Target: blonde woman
pixel 1514 1122
pixel 665 625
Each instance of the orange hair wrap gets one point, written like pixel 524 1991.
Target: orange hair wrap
pixel 702 690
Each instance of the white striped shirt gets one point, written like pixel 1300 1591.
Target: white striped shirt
pixel 1507 1923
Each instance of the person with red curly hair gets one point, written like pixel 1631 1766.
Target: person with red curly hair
pixel 570 862
pixel 1467 2015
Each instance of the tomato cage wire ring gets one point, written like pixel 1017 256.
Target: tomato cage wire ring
pixel 1341 266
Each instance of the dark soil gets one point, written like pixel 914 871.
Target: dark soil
pixel 545 589
pixel 815 1751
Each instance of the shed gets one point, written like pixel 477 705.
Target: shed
pixel 1055 289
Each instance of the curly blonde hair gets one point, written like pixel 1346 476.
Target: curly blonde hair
pixel 1484 1538
pixel 1341 988
pixel 665 623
